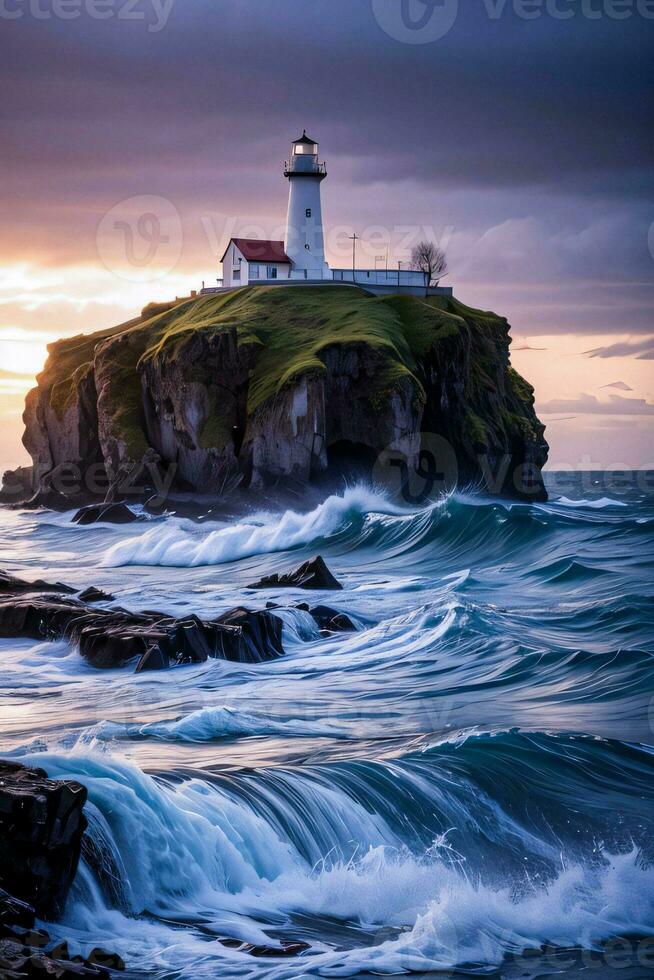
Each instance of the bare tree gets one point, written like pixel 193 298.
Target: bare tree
pixel 428 258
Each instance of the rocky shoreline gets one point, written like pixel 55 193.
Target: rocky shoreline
pixel 42 821
pixel 42 824
pixel 110 638
pixel 265 389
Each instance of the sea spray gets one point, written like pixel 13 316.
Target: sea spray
pixel 248 854
pixel 185 546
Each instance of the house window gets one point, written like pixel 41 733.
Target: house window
pixel 254 272
pixel 236 275
pixel 272 272
pixel 308 212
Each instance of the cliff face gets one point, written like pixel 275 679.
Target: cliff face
pixel 263 386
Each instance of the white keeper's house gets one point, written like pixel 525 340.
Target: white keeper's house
pixel 300 258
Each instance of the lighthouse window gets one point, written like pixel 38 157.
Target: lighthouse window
pixel 308 247
pixel 308 212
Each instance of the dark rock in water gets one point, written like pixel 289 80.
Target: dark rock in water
pixel 153 659
pixel 114 513
pixel 252 633
pixel 37 618
pixel 14 913
pixel 189 642
pixel 41 828
pixel 107 645
pixel 100 957
pixel 331 620
pixel 155 505
pixel 94 595
pixel 24 962
pixel 285 948
pixel 59 488
pixel 110 638
pixel 17 485
pixel 312 574
pixel 9 585
pixel 60 951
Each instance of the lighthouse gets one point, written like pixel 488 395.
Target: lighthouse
pixel 304 242
pixel 301 256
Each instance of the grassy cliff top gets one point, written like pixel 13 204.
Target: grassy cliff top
pixel 291 324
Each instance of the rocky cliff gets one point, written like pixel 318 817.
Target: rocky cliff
pixel 267 386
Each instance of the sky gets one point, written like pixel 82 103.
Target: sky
pixel 138 136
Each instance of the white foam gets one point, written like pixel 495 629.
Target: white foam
pixel 599 504
pixel 206 724
pixel 186 546
pixel 202 851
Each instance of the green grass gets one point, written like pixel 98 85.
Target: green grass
pixel 292 327
pixel 72 358
pixel 521 388
pixel 475 429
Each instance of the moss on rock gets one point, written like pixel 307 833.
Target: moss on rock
pixel 449 362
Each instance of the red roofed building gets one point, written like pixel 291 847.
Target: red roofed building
pixel 251 259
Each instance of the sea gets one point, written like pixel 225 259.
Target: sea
pixel 464 786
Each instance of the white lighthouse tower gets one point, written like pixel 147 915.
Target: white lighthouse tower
pixel 304 241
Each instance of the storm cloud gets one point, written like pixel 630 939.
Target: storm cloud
pixel 525 141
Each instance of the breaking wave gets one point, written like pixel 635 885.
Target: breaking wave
pixel 515 840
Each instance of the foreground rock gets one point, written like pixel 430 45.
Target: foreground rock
pixel 35 814
pixel 110 638
pixel 10 585
pixel 331 620
pixel 105 514
pixel 312 574
pixel 21 961
pixel 41 827
pixel 94 595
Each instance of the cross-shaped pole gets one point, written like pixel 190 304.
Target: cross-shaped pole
pixel 354 239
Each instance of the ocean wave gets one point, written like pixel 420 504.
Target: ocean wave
pixel 212 722
pixel 458 532
pixel 515 840
pixel 598 503
pixel 186 547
